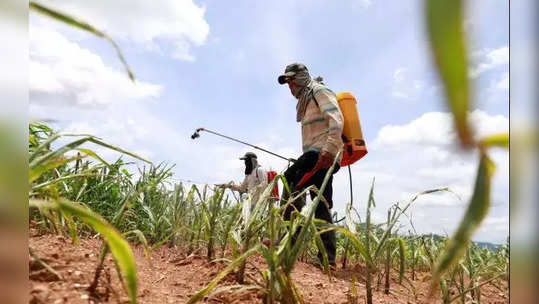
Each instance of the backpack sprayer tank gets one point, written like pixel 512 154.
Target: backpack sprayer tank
pixel 354 144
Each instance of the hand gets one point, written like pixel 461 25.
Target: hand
pixel 325 160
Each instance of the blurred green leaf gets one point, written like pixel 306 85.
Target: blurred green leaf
pixel 496 140
pixel 476 212
pixel 70 20
pixel 118 245
pixel 447 41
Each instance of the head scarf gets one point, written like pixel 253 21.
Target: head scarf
pixel 304 91
pixel 250 164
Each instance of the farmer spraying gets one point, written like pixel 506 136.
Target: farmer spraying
pixel 255 176
pixel 254 183
pixel 321 129
pixel 329 122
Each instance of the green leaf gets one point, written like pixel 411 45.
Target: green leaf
pixel 118 245
pixel 447 41
pixel 52 162
pixel 476 212
pixel 358 245
pixel 496 140
pixel 142 239
pixel 70 20
pixel 396 216
pixel 94 155
pixel 74 145
pixel 402 258
pixel 206 290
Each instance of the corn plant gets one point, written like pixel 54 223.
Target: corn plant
pixel 47 162
pixel 282 252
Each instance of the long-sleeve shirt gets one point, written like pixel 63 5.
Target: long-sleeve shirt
pixel 253 184
pixel 257 177
pixel 322 124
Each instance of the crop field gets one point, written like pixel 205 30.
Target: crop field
pixel 158 232
pixel 125 231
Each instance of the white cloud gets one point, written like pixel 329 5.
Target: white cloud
pixel 495 224
pixel 61 69
pixel 420 155
pixel 430 128
pixel 42 79
pixel 436 128
pixel 489 59
pixel 404 86
pixel 178 23
pixel 486 124
pixel 496 220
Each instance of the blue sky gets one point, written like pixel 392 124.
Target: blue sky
pixel 215 65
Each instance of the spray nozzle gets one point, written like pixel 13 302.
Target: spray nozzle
pixel 197 133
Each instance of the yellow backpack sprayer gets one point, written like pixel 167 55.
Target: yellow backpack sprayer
pixel 354 144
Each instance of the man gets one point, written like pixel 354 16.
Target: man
pixel 255 180
pixel 321 128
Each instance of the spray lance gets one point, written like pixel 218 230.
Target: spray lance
pixel 304 179
pixel 197 135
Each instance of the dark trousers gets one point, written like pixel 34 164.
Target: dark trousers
pixel 293 175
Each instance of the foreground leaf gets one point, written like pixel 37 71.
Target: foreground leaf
pixel 476 212
pixel 446 36
pixel 118 245
pixel 496 140
pixel 70 20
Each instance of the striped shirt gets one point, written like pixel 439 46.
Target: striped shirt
pixel 322 124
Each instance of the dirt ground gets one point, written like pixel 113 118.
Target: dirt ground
pixel 169 276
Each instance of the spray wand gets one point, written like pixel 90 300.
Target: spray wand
pixel 305 178
pixel 197 135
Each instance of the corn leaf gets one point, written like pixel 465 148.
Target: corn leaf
pixel 357 244
pixel 476 212
pixel 72 21
pixel 402 258
pixel 496 140
pixel 206 290
pixel 52 162
pixel 445 30
pixel 96 156
pixel 118 245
